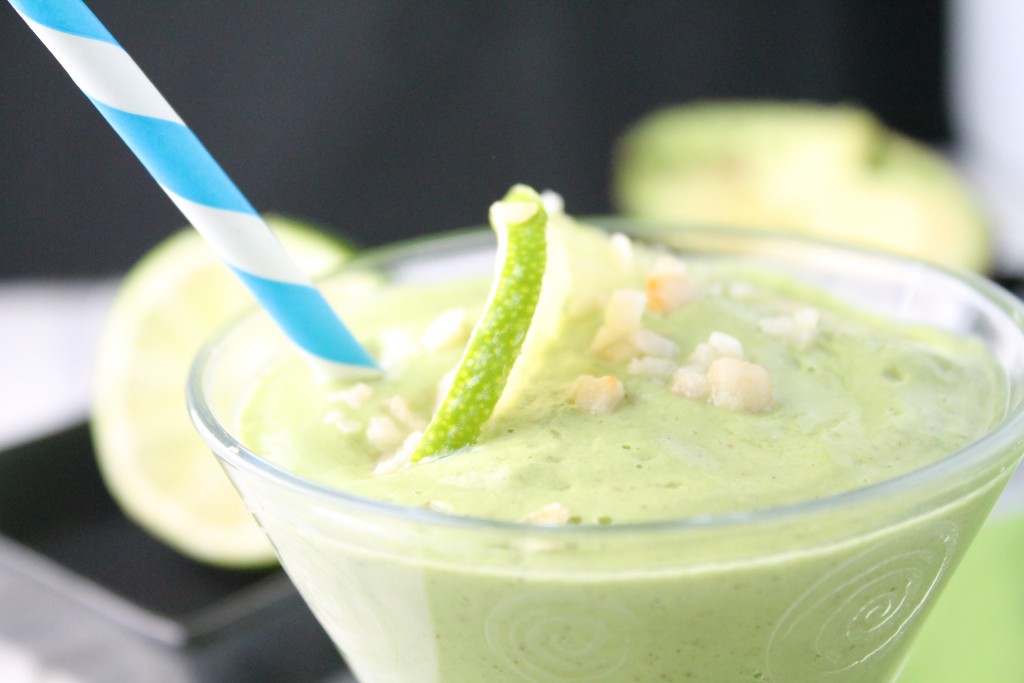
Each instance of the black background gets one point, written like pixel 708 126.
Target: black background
pixel 393 118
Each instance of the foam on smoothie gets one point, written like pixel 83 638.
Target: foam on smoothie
pixel 614 425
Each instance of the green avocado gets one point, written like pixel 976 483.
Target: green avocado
pixel 830 170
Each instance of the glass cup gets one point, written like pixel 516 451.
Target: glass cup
pixel 830 589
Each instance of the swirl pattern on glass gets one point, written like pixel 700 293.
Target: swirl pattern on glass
pixel 860 609
pixel 552 639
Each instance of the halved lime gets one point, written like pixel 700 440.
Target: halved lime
pixel 156 467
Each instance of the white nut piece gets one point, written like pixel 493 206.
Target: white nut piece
pixel 446 331
pixel 383 434
pixel 478 479
pixel 799 328
pixel 651 343
pixel 740 290
pixel 649 365
pixel 403 411
pixel 623 315
pixel 669 285
pixel 691 381
pixel 613 345
pixel 394 462
pixel 396 346
pixel 552 513
pixel 738 384
pixel 554 203
pixel 622 250
pixel 344 423
pixel 625 310
pixel 597 395
pixel 354 397
pixel 439 506
pixel 718 345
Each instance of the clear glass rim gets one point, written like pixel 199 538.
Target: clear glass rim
pixel 989 447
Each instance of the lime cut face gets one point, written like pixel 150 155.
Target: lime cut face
pixel 155 466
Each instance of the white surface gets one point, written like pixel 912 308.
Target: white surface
pixel 19 666
pixel 986 54
pixel 1002 197
pixel 48 334
pixel 986 81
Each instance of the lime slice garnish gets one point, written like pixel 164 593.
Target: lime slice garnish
pixel 519 221
pixel 156 467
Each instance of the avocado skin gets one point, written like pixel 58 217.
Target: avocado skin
pixel 831 170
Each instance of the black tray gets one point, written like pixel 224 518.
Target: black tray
pixel 88 592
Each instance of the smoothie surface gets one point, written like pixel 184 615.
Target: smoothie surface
pixel 854 399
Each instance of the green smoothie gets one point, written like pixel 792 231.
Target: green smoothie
pixel 683 481
pixel 854 399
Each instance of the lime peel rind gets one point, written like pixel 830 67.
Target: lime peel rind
pixel 520 223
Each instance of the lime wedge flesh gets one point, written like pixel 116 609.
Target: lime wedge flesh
pixel 520 222
pixel 154 464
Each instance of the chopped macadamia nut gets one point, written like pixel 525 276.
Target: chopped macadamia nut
pixel 396 346
pixel 799 328
pixel 395 461
pixel 622 318
pixel 552 513
pixel 648 365
pixel 669 285
pixel 403 411
pixel 344 423
pixel 479 479
pixel 622 249
pixel 354 397
pixel 740 385
pixel 382 433
pixel 554 203
pixel 614 345
pixel 741 290
pixel 691 381
pixel 807 317
pixel 625 310
pixel 597 395
pixel 447 330
pixel 653 344
pixel 718 345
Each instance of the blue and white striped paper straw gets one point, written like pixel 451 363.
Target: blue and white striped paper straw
pixel 193 180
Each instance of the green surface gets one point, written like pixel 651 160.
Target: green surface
pixel 976 632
